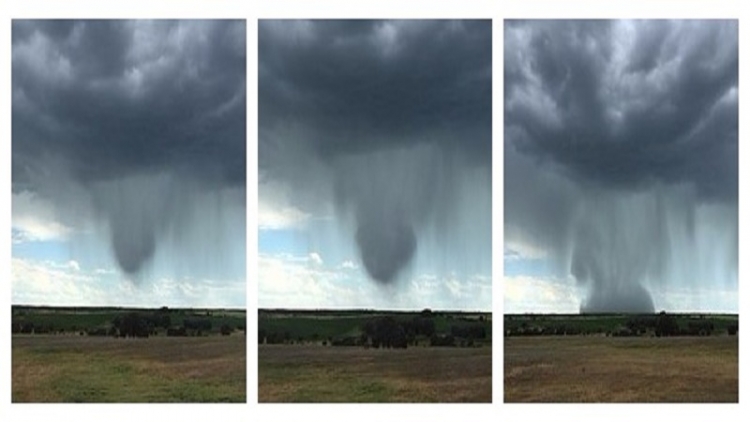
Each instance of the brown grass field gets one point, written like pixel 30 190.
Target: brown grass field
pixel 70 368
pixel 312 373
pixel 632 369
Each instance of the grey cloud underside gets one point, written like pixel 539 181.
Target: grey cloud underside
pixel 621 143
pixel 381 118
pixel 118 107
pixel 659 113
pixel 109 98
pixel 355 90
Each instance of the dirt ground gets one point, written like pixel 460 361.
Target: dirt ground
pixel 70 368
pixel 296 373
pixel 632 369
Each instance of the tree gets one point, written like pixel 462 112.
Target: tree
pixel 132 325
pixel 666 325
pixel 385 332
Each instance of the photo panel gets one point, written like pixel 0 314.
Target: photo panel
pixel 621 211
pixel 128 211
pixel 375 210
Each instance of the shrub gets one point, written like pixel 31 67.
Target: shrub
pixel 385 332
pixel 345 341
pixel 197 324
pixel 666 325
pixel 442 341
pixel 27 328
pixel 176 332
pixel 132 324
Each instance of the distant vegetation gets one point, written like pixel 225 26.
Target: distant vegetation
pixel 376 329
pixel 622 325
pixel 124 322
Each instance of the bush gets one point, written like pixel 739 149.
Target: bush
pixel 226 330
pixel 700 328
pixel 732 329
pixel 666 325
pixel 197 324
pixel 176 332
pixel 471 331
pixel 345 341
pixel 98 332
pixel 132 325
pixel 442 341
pixel 385 332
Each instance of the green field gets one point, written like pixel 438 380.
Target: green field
pixel 56 357
pixel 332 356
pixel 621 369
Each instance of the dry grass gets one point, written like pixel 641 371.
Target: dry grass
pixel 353 374
pixel 604 369
pixel 103 369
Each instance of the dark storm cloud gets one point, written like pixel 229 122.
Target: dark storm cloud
pixel 141 119
pixel 621 142
pixel 109 98
pixel 386 115
pixel 626 106
pixel 369 85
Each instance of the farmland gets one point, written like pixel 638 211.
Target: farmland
pixel 620 358
pixel 65 357
pixel 344 356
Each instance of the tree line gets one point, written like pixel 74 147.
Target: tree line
pixel 659 325
pixel 133 324
pixel 392 333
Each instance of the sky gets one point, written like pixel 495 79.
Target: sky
pixel 128 163
pixel 374 156
pixel 621 166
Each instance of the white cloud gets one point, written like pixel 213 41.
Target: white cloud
pixel 33 219
pixel 67 284
pixel 316 259
pixel 528 294
pixel 287 281
pixel 73 265
pixel 349 265
pixel 276 207
pixel 49 283
pixel 524 294
pixel 695 300
pixel 273 217
pixel 522 250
